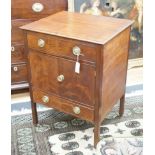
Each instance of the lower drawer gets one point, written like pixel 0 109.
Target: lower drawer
pixel 19 73
pixel 63 105
pixel 17 53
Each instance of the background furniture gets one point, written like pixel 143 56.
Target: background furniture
pixel 58 44
pixel 128 9
pixel 24 12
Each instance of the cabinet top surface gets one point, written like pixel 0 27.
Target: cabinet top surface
pixel 94 29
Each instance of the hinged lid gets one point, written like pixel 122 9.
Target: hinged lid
pixel 95 29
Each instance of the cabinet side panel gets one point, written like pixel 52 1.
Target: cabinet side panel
pixel 115 57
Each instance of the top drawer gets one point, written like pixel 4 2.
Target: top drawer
pixel 63 47
pixel 36 9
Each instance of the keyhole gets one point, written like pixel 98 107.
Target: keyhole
pixel 107 4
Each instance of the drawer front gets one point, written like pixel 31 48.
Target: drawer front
pixel 36 9
pixel 18 53
pixel 63 105
pixel 16 32
pixel 19 73
pixel 62 46
pixel 57 75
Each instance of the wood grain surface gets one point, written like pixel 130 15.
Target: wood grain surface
pixel 95 29
pixel 78 87
pixel 23 9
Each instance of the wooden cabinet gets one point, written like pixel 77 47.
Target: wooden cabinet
pixel 24 12
pixel 57 44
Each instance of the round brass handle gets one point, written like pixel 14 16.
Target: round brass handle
pixel 41 43
pixel 12 48
pixel 76 110
pixel 45 99
pixel 15 68
pixel 60 78
pixel 37 7
pixel 76 51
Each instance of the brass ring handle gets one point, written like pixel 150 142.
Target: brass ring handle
pixel 76 50
pixel 37 7
pixel 45 99
pixel 41 43
pixel 12 48
pixel 60 78
pixel 15 68
pixel 76 110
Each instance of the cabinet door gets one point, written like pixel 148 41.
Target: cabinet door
pixel 57 75
pixel 44 72
pixel 78 87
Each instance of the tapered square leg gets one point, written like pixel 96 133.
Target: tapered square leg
pixel 121 108
pixel 96 134
pixel 34 113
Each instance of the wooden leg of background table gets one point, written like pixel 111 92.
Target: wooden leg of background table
pixel 121 108
pixel 34 113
